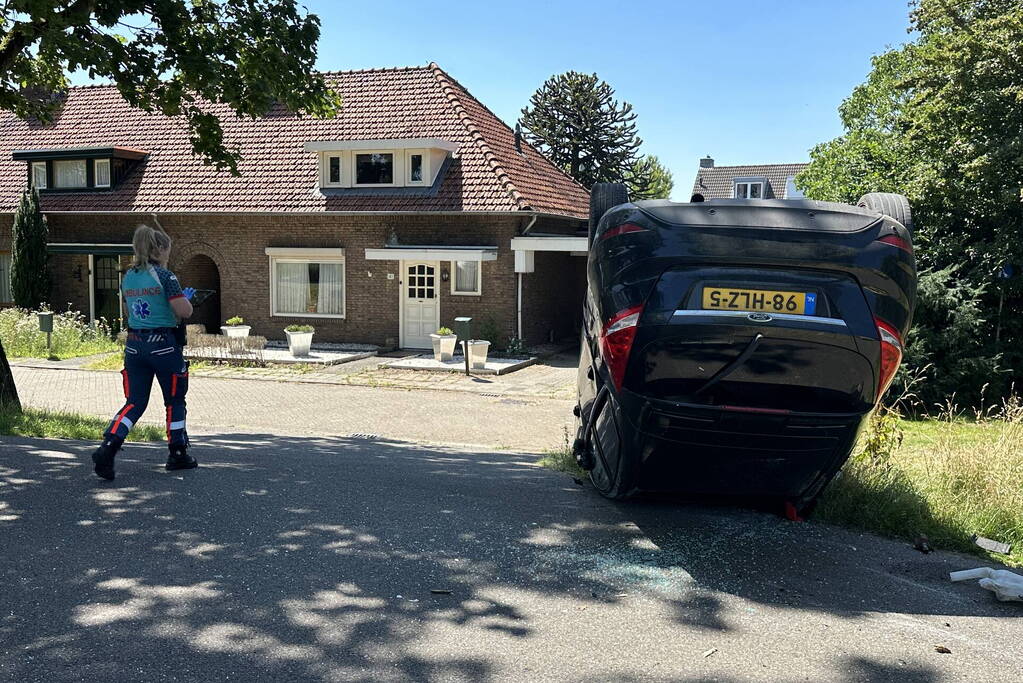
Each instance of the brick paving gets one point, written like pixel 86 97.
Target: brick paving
pixel 304 406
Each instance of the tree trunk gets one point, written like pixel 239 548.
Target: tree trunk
pixel 8 392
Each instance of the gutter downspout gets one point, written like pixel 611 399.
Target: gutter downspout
pixel 525 231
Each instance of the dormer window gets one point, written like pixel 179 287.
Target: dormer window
pixel 750 187
pixel 367 164
pixel 39 175
pixel 749 190
pixel 85 168
pixel 375 168
pixel 415 168
pixel 101 169
pixel 69 175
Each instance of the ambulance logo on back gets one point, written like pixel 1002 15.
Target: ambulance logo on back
pixel 140 309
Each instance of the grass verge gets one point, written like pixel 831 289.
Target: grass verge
pixel 58 425
pixel 946 479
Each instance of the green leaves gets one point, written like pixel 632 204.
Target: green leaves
pixel 575 120
pixel 649 179
pixel 30 278
pixel 175 57
pixel 941 121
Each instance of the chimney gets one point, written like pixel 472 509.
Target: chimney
pixel 707 162
pixel 518 138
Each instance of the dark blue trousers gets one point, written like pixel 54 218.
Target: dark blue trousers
pixel 148 355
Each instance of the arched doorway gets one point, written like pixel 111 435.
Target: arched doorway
pixel 201 272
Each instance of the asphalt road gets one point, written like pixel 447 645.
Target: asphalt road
pixel 314 559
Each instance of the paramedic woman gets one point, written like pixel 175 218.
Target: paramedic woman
pixel 156 304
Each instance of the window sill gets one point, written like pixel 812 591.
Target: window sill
pixel 466 293
pixel 308 315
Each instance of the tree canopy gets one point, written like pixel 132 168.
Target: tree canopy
pixel 168 56
pixel 174 57
pixel 576 121
pixel 649 179
pixel 940 120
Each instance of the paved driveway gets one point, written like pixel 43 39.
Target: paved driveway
pixel 315 559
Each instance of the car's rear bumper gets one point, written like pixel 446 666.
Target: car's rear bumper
pixel 732 451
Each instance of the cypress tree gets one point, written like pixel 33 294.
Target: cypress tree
pixel 30 278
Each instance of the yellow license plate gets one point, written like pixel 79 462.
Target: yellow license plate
pixel 769 300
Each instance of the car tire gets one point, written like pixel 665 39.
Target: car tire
pixel 889 204
pixel 616 482
pixel 603 197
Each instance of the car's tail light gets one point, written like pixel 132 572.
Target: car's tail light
pixel 622 229
pixel 616 342
pixel 891 355
pixel 897 241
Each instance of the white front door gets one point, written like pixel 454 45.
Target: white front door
pixel 420 304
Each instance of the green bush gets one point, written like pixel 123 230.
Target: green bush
pixel 444 331
pixel 236 320
pixel 299 328
pixel 72 335
pixel 949 351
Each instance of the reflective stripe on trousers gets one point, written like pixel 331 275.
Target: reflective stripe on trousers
pixel 147 356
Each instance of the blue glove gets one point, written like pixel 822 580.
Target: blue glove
pixel 189 292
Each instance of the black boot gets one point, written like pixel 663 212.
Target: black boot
pixel 179 459
pixel 104 457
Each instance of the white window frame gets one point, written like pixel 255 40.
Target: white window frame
pixel 749 184
pixel 479 278
pixel 397 167
pixel 425 154
pixel 307 255
pixel 325 169
pixel 96 163
pixel 38 165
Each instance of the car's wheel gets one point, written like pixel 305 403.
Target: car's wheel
pixel 612 473
pixel 892 205
pixel 603 197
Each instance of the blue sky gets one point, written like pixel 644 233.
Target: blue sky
pixel 747 82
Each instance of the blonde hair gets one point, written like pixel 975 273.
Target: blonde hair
pixel 148 243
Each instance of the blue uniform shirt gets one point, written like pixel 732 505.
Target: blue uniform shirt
pixel 147 294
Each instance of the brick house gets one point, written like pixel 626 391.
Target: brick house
pixel 415 205
pixel 761 181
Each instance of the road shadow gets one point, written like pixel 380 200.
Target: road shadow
pixel 344 559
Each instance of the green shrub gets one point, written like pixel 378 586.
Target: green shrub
pixel 444 331
pixel 299 328
pixel 236 320
pixel 72 335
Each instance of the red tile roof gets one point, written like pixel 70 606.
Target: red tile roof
pixel 277 174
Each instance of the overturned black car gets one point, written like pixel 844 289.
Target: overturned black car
pixel 736 347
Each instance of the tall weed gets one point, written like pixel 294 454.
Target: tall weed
pixel 72 335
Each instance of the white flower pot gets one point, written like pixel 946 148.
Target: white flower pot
pixel 478 349
pixel 299 342
pixel 443 346
pixel 235 330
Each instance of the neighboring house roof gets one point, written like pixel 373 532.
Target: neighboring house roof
pixel 716 182
pixel 277 174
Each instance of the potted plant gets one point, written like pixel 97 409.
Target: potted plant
pixel 478 349
pixel 300 338
pixel 235 327
pixel 443 344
